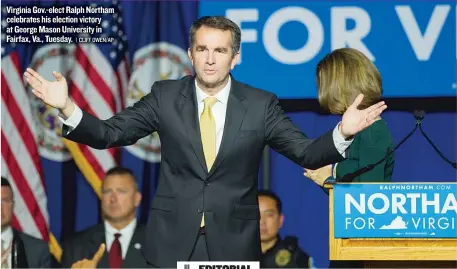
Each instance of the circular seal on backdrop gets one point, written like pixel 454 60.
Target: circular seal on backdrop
pixel 282 257
pixel 58 57
pixel 156 61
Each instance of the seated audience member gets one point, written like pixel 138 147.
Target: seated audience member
pixel 277 252
pixel 30 252
pixel 120 233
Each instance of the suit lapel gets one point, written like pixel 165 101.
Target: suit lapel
pixel 190 120
pixel 233 119
pixel 134 257
pixel 97 239
pixel 19 258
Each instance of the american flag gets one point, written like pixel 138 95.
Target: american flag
pixel 20 158
pixel 98 83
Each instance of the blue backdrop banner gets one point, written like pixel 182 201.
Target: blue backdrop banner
pixel 413 43
pixel 395 210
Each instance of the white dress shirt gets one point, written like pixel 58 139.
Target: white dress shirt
pixel 7 239
pixel 124 239
pixel 219 110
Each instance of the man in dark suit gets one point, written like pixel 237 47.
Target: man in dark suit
pixel 19 250
pixel 120 232
pixel 213 130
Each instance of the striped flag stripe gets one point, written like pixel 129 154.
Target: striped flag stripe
pixel 24 188
pixel 22 140
pixel 104 73
pixel 96 101
pixel 22 214
pixel 12 80
pixel 94 78
pixel 93 160
pixel 16 123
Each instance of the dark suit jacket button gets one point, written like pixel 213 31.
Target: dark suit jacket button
pixel 206 183
pixel 200 210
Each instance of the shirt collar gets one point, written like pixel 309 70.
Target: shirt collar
pixel 222 96
pixel 127 230
pixel 273 248
pixel 7 236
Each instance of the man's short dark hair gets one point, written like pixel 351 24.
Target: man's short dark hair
pixel 5 182
pixel 220 23
pixel 119 170
pixel 272 195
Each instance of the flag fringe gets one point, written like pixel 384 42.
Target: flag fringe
pixel 84 166
pixel 54 247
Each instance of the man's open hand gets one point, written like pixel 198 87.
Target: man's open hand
pixel 355 120
pixel 53 93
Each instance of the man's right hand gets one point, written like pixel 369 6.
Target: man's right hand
pixel 53 93
pixel 93 262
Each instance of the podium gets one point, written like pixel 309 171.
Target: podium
pixel 391 252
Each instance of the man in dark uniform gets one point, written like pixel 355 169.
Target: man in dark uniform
pixel 278 252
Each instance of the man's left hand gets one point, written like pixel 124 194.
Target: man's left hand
pixel 319 175
pixel 355 120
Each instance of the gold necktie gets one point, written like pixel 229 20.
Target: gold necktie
pixel 208 135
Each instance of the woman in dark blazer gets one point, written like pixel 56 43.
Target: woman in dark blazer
pixel 341 76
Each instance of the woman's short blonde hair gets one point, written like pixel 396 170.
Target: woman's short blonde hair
pixel 342 75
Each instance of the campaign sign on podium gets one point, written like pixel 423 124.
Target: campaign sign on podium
pixel 395 210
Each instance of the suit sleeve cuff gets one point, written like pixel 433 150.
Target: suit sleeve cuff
pixel 73 121
pixel 341 144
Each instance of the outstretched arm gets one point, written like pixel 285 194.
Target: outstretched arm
pixel 125 128
pixel 284 137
